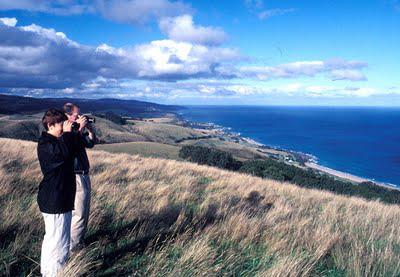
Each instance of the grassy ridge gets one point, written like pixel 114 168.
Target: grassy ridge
pixel 164 133
pixel 156 217
pixel 143 148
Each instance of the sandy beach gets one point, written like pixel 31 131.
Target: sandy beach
pixel 346 175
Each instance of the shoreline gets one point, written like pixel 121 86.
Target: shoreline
pixel 310 161
pixel 348 176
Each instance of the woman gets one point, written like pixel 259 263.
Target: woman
pixel 57 189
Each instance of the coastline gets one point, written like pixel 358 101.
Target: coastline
pixel 308 160
pixel 347 176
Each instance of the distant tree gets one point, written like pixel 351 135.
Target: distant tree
pixel 112 117
pixel 209 156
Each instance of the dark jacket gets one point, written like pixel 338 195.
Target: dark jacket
pixel 83 141
pixel 56 158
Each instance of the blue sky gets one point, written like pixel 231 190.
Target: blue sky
pixel 204 52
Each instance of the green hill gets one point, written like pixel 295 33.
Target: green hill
pixel 24 127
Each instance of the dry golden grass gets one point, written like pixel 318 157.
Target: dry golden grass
pixel 156 217
pixel 143 148
pixel 164 133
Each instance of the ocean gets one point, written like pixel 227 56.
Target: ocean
pixel 363 141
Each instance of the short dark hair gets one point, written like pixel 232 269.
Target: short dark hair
pixel 53 116
pixel 69 107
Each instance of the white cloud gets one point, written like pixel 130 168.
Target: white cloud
pixel 207 89
pixel 362 92
pixel 334 91
pixel 8 21
pixel 48 33
pixel 347 74
pixel 229 89
pixel 39 60
pixel 338 69
pixel 33 56
pixel 181 28
pixel 171 60
pixel 174 17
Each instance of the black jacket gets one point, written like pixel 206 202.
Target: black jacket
pixel 83 141
pixel 56 158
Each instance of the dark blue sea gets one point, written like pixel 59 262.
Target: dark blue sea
pixel 363 141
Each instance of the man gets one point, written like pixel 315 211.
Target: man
pixel 85 137
pixel 56 151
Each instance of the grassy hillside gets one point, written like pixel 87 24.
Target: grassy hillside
pixel 165 133
pixel 157 217
pixel 28 127
pixel 19 127
pixel 110 132
pixel 143 148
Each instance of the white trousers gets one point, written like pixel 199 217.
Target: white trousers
pixel 80 214
pixel 55 246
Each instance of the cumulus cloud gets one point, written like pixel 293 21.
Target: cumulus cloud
pixel 36 57
pixel 173 17
pixel 338 69
pixel 40 61
pixel 8 21
pixel 181 28
pixel 171 60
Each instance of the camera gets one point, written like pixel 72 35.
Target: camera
pixel 90 120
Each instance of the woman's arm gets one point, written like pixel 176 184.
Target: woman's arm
pixel 70 140
pixel 50 156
